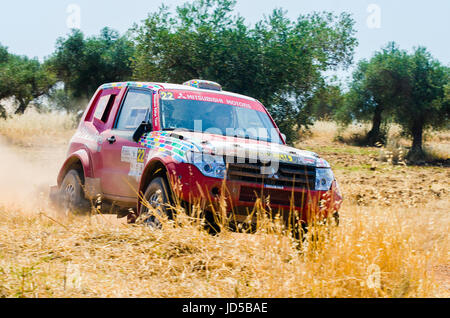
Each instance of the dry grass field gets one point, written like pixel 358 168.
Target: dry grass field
pixel 393 240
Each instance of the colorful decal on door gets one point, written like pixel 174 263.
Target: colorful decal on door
pixel 167 146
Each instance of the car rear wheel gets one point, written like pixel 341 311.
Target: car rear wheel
pixel 72 195
pixel 156 205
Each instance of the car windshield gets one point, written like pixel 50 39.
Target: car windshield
pixel 217 118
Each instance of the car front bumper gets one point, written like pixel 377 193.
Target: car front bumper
pixel 240 198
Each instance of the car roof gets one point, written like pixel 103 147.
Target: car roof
pixel 159 86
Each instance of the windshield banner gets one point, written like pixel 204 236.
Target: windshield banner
pixel 218 98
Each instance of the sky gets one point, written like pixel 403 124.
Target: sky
pixel 31 27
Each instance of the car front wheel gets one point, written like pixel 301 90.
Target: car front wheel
pixel 71 193
pixel 156 205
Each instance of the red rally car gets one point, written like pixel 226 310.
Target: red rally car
pixel 192 144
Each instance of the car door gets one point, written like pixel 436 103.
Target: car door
pixel 123 158
pixel 99 118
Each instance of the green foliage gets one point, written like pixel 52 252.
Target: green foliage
pixel 422 102
pixel 83 64
pixel 3 54
pixel 23 78
pixel 447 93
pixel 376 90
pixel 359 103
pixel 446 103
pixel 326 102
pixel 4 87
pixel 62 100
pixel 278 61
pixel 29 80
pixel 396 86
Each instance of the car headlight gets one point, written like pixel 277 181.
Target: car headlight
pixel 209 165
pixel 324 179
pixel 321 163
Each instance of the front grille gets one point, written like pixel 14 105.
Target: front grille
pixel 287 175
pixel 277 197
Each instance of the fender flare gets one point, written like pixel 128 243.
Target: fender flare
pixel 79 156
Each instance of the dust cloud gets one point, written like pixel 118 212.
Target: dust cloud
pixel 25 176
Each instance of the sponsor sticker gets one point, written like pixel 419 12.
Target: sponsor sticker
pixel 129 154
pixel 167 96
pixel 211 98
pixel 136 158
pixel 136 170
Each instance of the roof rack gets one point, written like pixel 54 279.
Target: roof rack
pixel 202 84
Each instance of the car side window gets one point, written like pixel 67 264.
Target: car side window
pixel 104 107
pixel 134 110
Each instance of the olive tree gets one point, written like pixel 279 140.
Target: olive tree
pixel 409 89
pixel 278 60
pixel 83 64
pixel 376 90
pixel 23 78
pixel 425 104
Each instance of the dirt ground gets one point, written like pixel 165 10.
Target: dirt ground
pixel 371 182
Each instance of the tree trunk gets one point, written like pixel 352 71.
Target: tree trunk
pixel 373 136
pixel 22 107
pixel 416 155
pixel 2 112
pixel 417 138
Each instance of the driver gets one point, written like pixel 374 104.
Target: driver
pixel 180 118
pixel 221 118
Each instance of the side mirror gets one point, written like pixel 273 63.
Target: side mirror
pixel 143 128
pixel 284 137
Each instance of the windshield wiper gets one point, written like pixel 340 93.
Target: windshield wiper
pixel 248 137
pixel 189 130
pixel 179 129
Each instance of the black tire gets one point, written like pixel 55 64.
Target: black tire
pixel 210 222
pixel 211 225
pixel 71 194
pixel 337 219
pixel 159 197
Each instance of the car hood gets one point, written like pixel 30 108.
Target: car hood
pixel 248 148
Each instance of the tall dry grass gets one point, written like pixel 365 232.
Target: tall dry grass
pixel 329 131
pixel 376 252
pixel 37 128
